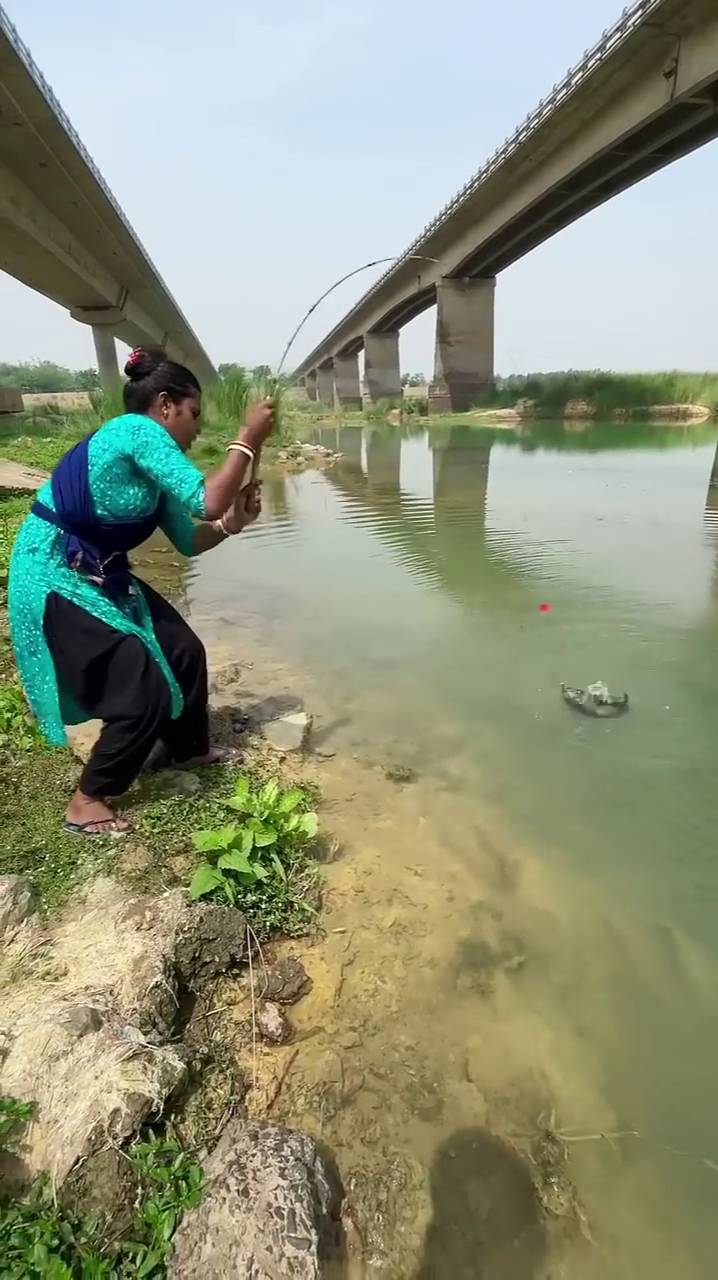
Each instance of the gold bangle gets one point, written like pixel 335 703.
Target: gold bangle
pixel 238 446
pixel 221 527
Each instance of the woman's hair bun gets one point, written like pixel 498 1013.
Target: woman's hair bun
pixel 143 361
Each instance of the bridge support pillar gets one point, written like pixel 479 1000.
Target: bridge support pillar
pixel 381 366
pixel 464 352
pixel 310 385
pixel 346 382
pixel 325 384
pixel 106 352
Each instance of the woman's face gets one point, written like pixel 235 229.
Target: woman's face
pixel 181 418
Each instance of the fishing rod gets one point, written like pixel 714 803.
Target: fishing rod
pixel 357 270
pixel 376 262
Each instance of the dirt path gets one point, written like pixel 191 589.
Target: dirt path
pixel 14 475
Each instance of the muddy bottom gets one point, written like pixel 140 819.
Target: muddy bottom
pixel 446 1052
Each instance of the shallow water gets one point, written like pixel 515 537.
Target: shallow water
pixel 531 927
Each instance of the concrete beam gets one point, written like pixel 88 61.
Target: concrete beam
pixel 649 101
pixel 347 388
pixel 382 371
pixel 325 384
pixel 61 230
pixel 464 352
pixel 106 352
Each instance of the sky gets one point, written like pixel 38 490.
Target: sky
pixel 260 150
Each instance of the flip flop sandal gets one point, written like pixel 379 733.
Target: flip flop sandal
pixel 83 828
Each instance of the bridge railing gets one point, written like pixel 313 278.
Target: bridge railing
pixel 8 28
pixel 632 16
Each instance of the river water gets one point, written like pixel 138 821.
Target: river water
pixel 528 932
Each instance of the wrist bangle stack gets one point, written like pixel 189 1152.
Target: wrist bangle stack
pixel 239 446
pixel 221 527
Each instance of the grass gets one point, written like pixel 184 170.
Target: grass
pixel 12 514
pixel 39 438
pixel 41 1238
pixel 607 391
pixel 36 781
pixel 159 853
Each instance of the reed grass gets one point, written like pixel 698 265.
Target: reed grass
pixel 41 436
pixel 605 390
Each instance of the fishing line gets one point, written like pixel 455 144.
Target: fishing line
pixel 377 262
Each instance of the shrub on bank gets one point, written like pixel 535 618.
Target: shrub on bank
pixel 605 390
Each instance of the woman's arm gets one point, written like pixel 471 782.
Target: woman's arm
pixel 158 456
pixel 244 511
pixel 223 485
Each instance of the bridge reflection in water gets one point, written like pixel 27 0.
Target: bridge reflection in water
pixel 487 514
pixel 429 507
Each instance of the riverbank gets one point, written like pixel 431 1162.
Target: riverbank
pixel 606 395
pixel 104 946
pixel 357 1036
pixel 465 1026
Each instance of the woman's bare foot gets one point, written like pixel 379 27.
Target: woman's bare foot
pixel 215 755
pixel 91 816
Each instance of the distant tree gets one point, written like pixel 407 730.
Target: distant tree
pixel 261 371
pixel 413 380
pixel 232 369
pixel 37 376
pixel 87 380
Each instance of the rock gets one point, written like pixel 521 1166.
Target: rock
pixel 526 408
pixel 349 1040
pixel 286 981
pixel 474 1060
pixel 210 939
pixel 679 412
pixel 82 738
pixel 322 1068
pixel 499 415
pixel 273 1025
pixel 579 409
pixel 400 773
pixel 91 1088
pixel 17 904
pixel 104 1186
pixel 394 417
pixel 231 673
pixel 81 1019
pixel 271 1209
pixel 90 1047
pixel 289 732
pixel 177 782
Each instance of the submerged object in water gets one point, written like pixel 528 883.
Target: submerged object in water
pixel 595 700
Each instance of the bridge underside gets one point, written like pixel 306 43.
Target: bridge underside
pixel 652 100
pixel 61 231
pixel 681 129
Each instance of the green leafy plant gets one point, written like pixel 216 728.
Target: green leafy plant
pixel 13 1114
pixel 18 731
pixel 40 1240
pixel 172 1182
pixel 275 826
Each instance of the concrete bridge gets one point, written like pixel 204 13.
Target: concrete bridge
pixel 62 231
pixel 644 95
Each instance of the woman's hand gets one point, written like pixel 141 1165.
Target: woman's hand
pixel 245 509
pixel 259 423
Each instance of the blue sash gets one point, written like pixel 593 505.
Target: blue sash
pixel 96 548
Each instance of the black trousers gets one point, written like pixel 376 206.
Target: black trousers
pixel 114 678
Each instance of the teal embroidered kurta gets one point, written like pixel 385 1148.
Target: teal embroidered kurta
pixel 132 463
